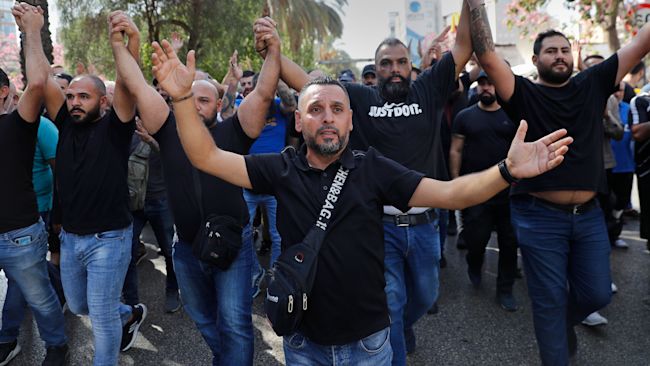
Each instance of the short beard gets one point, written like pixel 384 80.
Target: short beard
pixel 208 121
pixel 547 74
pixel 487 99
pixel 91 116
pixel 328 148
pixel 394 92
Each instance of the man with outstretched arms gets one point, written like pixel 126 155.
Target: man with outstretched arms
pixel 348 317
pixel 556 216
pixel 218 301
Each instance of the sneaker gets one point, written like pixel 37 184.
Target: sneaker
pixel 130 329
pixel 594 319
pixel 507 301
pixel 56 356
pixel 172 301
pixel 572 340
pixel 620 243
pixel 630 212
pixel 614 288
pixel 434 309
pixel 409 338
pixel 8 351
pixel 257 282
pixel 474 278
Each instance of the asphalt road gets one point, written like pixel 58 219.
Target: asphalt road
pixel 470 329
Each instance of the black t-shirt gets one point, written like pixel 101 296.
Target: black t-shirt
pixel 155 180
pixel 579 107
pixel 487 138
pixel 640 111
pixel 18 206
pixel 91 171
pixel 457 102
pixel 218 196
pixel 349 302
pixel 407 132
pixel 628 93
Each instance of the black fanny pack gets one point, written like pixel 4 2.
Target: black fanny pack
pixel 218 239
pixel 292 277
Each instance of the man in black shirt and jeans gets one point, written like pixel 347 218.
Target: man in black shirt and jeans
pixel 481 136
pixel 348 319
pixel 23 239
pixel 559 225
pixel 218 301
pixel 91 173
pixel 401 118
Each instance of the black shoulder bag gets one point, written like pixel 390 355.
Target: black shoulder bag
pixel 218 239
pixel 292 276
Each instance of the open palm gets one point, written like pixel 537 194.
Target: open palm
pixel 174 77
pixel 530 159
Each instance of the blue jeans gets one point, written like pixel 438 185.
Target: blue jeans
pixel 26 269
pixel 253 201
pixel 219 302
pixel 373 350
pixel 92 271
pixel 566 259
pixel 158 214
pixel 412 256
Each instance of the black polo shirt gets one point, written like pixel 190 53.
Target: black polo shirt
pixel 408 132
pixel 18 206
pixel 91 171
pixel 349 302
pixel 218 196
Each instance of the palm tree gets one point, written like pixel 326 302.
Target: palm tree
pixel 307 20
pixel 46 37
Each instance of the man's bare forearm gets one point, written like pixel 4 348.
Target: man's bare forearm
pixel 480 29
pixel 228 101
pixel 286 97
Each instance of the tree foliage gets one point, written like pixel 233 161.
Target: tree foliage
pixel 213 28
pixel 529 15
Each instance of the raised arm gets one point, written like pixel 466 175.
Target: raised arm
pixel 176 79
pixel 290 72
pixel 462 49
pixel 120 25
pixel 231 80
pixel 633 52
pixel 253 109
pixel 525 160
pixel 30 21
pixel 152 108
pixel 288 103
pixel 493 64
pixel 456 155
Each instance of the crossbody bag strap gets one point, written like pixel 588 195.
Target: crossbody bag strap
pixel 325 214
pixel 196 180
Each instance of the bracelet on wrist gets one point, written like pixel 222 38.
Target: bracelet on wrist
pixel 505 173
pixel 178 100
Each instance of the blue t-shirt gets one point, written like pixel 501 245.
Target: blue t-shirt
pixel 624 149
pixel 273 136
pixel 48 137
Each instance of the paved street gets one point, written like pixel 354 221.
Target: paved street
pixel 470 328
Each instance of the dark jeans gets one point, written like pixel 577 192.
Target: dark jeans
pixel 566 259
pixel 158 214
pixel 643 183
pixel 479 221
pixel 621 186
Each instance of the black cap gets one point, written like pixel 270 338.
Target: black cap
pixel 347 76
pixel 368 69
pixel 481 75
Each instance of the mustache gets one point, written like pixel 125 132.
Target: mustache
pixel 323 128
pixel 77 110
pixel 560 63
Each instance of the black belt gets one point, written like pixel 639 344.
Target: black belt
pixel 411 219
pixel 569 208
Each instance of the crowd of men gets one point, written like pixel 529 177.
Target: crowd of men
pixel 92 161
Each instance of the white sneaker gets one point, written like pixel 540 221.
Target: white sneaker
pixel 594 319
pixel 614 288
pixel 620 243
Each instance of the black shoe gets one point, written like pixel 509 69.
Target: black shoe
pixel 460 243
pixel 172 301
pixel 434 309
pixel 507 302
pixel 130 329
pixel 443 262
pixel 56 356
pixel 8 351
pixel 572 341
pixel 474 278
pixel 409 338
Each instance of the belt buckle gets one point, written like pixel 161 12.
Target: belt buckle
pixel 576 208
pixel 402 223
